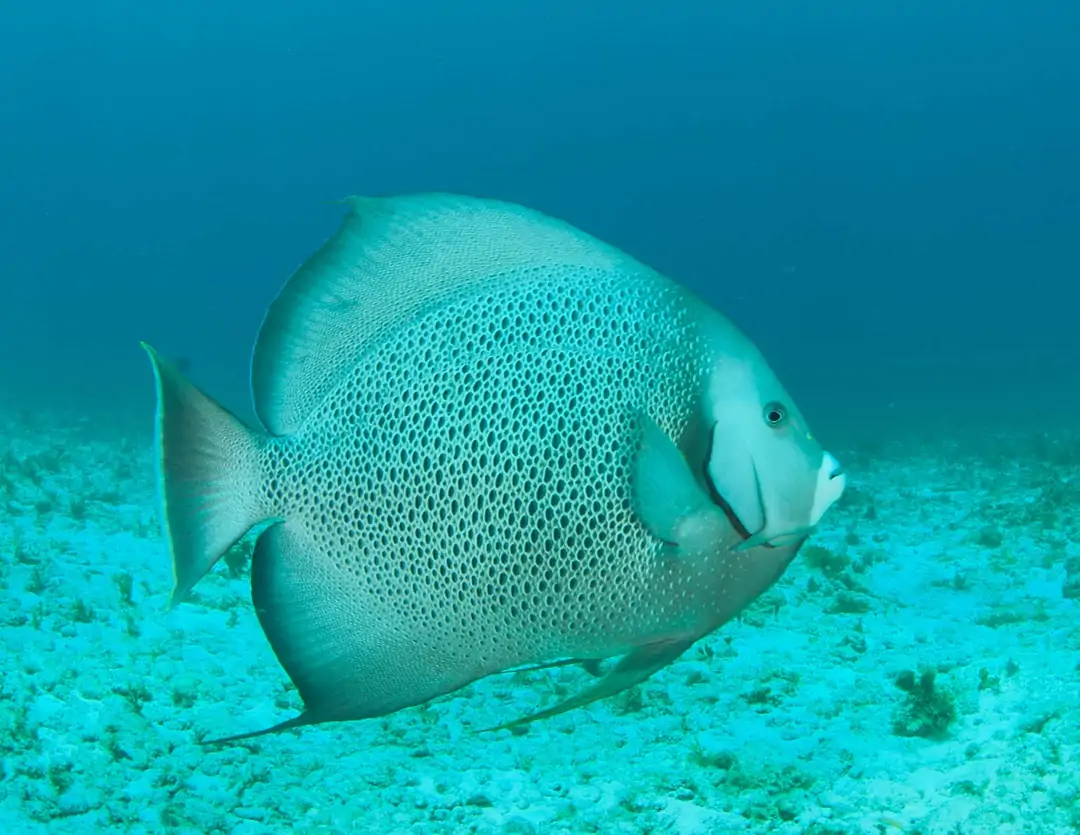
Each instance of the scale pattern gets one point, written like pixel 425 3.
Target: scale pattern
pixel 469 483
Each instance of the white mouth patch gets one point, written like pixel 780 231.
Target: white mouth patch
pixel 831 481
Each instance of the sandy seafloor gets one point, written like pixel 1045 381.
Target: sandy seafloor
pixel 962 559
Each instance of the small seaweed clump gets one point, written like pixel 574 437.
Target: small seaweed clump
pixel 822 559
pixel 928 711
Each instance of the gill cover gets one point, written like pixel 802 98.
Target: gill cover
pixel 734 477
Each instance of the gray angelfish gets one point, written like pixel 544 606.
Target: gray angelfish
pixel 489 440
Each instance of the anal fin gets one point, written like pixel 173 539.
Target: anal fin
pixel 632 669
pixel 295 722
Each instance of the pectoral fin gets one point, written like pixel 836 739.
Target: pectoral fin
pixel 665 493
pixel 671 505
pixel 632 669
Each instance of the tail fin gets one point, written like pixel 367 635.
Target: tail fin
pixel 210 478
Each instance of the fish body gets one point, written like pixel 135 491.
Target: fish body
pixel 490 440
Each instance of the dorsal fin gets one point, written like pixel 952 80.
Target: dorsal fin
pixel 391 258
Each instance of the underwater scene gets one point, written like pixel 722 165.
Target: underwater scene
pixel 540 417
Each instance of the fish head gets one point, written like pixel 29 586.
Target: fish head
pixel 763 466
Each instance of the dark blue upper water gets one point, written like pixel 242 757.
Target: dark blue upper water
pixel 885 195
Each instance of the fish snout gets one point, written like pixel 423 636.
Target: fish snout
pixel 831 481
pixel 831 466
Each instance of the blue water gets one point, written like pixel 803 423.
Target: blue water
pixel 885 196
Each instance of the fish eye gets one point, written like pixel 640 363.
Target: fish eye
pixel 775 414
